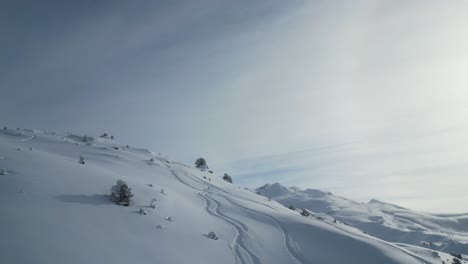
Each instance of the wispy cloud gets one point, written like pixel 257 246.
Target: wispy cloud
pixel 346 96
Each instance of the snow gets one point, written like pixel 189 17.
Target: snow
pixel 447 233
pixel 56 210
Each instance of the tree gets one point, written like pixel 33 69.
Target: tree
pixel 292 207
pixel 81 160
pixel 200 163
pixel 121 193
pixel 227 178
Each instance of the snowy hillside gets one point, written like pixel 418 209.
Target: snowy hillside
pixel 448 233
pixel 55 209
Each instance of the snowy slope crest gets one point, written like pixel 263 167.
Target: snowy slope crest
pixel 447 233
pixel 56 209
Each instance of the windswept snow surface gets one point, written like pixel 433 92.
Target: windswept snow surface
pixel 447 233
pixel 56 210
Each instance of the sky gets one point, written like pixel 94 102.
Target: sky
pixel 366 99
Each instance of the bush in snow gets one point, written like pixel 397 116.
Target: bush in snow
pixel 227 178
pixel 212 235
pixel 305 212
pixel 292 207
pixel 210 171
pixel 200 163
pixel 456 261
pixel 152 205
pixel 81 161
pixel 3 172
pixel 121 193
pixel 105 135
pixel 5 128
pixel 112 137
pixel 456 255
pixel 142 212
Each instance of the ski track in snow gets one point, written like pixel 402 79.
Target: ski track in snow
pixel 241 252
pixel 26 139
pixel 390 245
pixel 295 255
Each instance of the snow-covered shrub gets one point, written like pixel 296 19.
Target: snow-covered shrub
pixel 5 128
pixel 3 171
pixel 142 212
pixel 227 178
pixel 456 261
pixel 152 205
pixel 456 255
pixel 305 212
pixel 81 161
pixel 210 171
pixel 212 235
pixel 105 135
pixel 112 137
pixel 121 193
pixel 292 207
pixel 200 163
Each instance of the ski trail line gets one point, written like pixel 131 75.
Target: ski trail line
pixel 295 255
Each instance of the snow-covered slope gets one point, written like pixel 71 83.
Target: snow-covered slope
pixel 56 210
pixel 448 233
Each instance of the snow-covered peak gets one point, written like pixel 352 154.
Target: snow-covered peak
pixel 275 190
pixel 384 220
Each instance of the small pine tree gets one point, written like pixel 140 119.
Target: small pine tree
pixel 81 160
pixel 227 178
pixel 121 193
pixel 200 163
pixel 305 212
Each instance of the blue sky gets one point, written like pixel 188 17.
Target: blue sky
pixel 366 99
